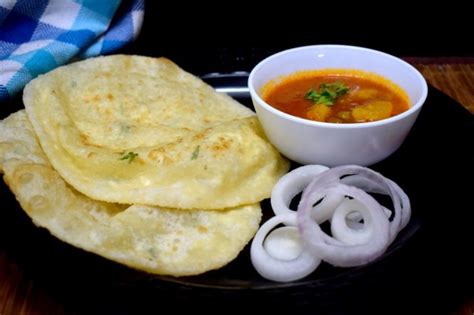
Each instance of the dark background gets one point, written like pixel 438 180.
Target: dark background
pixel 230 36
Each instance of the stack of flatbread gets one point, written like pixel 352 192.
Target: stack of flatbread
pixel 140 162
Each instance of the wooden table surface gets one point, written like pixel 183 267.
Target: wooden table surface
pixel 20 295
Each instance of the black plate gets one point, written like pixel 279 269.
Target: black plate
pixel 431 166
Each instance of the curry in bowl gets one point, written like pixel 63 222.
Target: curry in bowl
pixel 336 96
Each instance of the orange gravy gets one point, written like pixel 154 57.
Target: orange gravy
pixel 369 97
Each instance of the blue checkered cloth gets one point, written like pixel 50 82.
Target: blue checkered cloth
pixel 39 35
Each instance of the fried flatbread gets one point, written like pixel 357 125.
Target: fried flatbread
pixel 156 240
pixel 138 130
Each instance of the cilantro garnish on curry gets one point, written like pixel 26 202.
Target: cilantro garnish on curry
pixel 328 93
pixel 337 96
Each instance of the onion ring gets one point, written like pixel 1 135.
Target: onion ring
pixel 332 250
pixel 366 178
pixel 276 268
pixel 361 228
pixel 346 228
pixel 293 183
pixel 374 182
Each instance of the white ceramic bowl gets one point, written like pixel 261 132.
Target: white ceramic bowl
pixel 312 142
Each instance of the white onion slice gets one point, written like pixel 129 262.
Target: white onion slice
pixel 292 184
pixel 279 268
pixel 362 229
pixel 284 243
pixel 405 204
pixel 373 182
pixel 324 210
pixel 345 225
pixel 353 220
pixel 334 251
